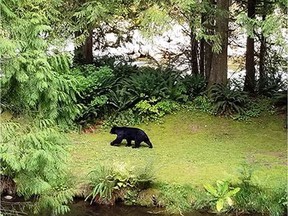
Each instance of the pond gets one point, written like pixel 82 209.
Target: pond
pixel 81 208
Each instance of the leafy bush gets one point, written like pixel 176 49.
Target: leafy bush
pixel 34 155
pixel 195 85
pixel 227 101
pixel 153 109
pixel 120 66
pixel 254 108
pixel 253 198
pixel 144 111
pixel 203 103
pixel 157 83
pixel 176 198
pixel 271 84
pixel 124 118
pixel 127 97
pixel 110 184
pixel 94 87
pixel 221 195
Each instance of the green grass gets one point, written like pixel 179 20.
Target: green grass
pixel 193 148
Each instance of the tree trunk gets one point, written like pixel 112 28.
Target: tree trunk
pixel 219 65
pixel 194 53
pixel 208 59
pixel 202 58
pixel 249 84
pixel 202 51
pixel 206 53
pixel 84 53
pixel 262 54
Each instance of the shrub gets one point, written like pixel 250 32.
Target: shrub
pixel 153 109
pixel 126 94
pixel 157 83
pixel 35 157
pixel 144 111
pixel 271 84
pixel 254 108
pixel 93 88
pixel 203 103
pixel 253 198
pixel 176 198
pixel 227 101
pixel 195 85
pixel 111 184
pixel 221 195
pixel 125 118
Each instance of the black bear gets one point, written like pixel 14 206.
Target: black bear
pixel 130 134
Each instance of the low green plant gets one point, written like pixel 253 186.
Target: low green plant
pixel 110 184
pixel 150 83
pixel 153 109
pixel 176 198
pixel 143 111
pixel 122 68
pixel 103 183
pixel 254 108
pixel 227 101
pixel 271 84
pixel 253 198
pixel 195 85
pixel 125 118
pixel 221 194
pixel 34 155
pixel 203 103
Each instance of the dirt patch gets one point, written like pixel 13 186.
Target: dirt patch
pixel 195 128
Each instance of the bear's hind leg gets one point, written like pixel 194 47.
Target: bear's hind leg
pixel 149 143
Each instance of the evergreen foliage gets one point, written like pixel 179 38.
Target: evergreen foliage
pixel 35 156
pixel 34 78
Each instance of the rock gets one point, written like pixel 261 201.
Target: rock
pixel 8 197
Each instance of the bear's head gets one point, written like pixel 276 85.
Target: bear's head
pixel 113 130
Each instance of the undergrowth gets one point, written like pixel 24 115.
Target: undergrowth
pixel 34 156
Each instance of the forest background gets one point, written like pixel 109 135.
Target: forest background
pixel 47 91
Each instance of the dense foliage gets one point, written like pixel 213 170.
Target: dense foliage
pixel 115 184
pixel 143 93
pixel 227 100
pixel 34 155
pixel 34 79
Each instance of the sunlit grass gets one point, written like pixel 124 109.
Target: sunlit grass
pixel 194 148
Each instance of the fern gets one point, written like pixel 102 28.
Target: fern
pixel 226 100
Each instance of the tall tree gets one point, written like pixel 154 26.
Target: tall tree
pixel 88 15
pixel 219 65
pixel 249 84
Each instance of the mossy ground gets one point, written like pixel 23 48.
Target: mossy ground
pixel 193 148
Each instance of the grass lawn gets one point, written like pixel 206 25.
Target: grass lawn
pixel 194 148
